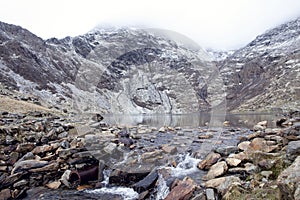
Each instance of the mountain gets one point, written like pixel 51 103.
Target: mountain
pixel 265 74
pixel 111 70
pixel 126 70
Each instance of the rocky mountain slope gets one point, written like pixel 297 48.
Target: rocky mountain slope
pixel 265 74
pixel 117 71
pixel 141 71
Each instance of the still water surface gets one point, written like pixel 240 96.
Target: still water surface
pixel 192 120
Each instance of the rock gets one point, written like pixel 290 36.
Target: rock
pixel 11 179
pixel 126 141
pixel 222 184
pixel 244 145
pixel 293 149
pixel 169 149
pixel 233 162
pixel 226 150
pixel 54 185
pixel 210 194
pixel 266 163
pixel 65 178
pixel 258 127
pixel 123 133
pixel 147 182
pixel 25 147
pixel 248 168
pixel 125 177
pixel 266 174
pixel 51 167
pixel 65 153
pixel 280 122
pixel 97 117
pixel 110 148
pixel 205 136
pixel 236 191
pixel 5 194
pixel 183 190
pixel 241 156
pixel 28 164
pixel 210 159
pixel 20 183
pixel 13 157
pixel 288 181
pixel 42 149
pixel 216 170
pixel 260 144
pixel 162 129
pixel 263 123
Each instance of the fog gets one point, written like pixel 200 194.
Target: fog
pixel 217 24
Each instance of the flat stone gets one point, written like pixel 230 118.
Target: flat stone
pixel 54 185
pixel 241 156
pixel 169 149
pixel 28 164
pixel 288 180
pixel 51 167
pixel 222 184
pixel 225 151
pixel 216 170
pixel 183 190
pixel 233 162
pixel 210 159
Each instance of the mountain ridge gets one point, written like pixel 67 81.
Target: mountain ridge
pixel 136 71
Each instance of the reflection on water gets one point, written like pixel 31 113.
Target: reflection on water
pixel 191 120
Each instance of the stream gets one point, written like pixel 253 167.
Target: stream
pixel 160 141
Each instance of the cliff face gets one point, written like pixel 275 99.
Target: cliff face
pixel 265 74
pixel 117 71
pixel 141 71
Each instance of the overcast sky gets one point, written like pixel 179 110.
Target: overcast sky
pixel 218 24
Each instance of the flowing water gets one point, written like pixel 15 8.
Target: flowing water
pixel 185 138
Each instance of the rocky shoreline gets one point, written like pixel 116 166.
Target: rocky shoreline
pixel 44 154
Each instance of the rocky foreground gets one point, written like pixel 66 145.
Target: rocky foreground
pixel 42 153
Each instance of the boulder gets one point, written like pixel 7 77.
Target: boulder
pixel 147 182
pixel 222 184
pixel 293 149
pixel 183 190
pixel 210 159
pixel 288 181
pixel 233 162
pixel 216 170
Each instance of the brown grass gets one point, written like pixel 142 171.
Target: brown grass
pixel 18 106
